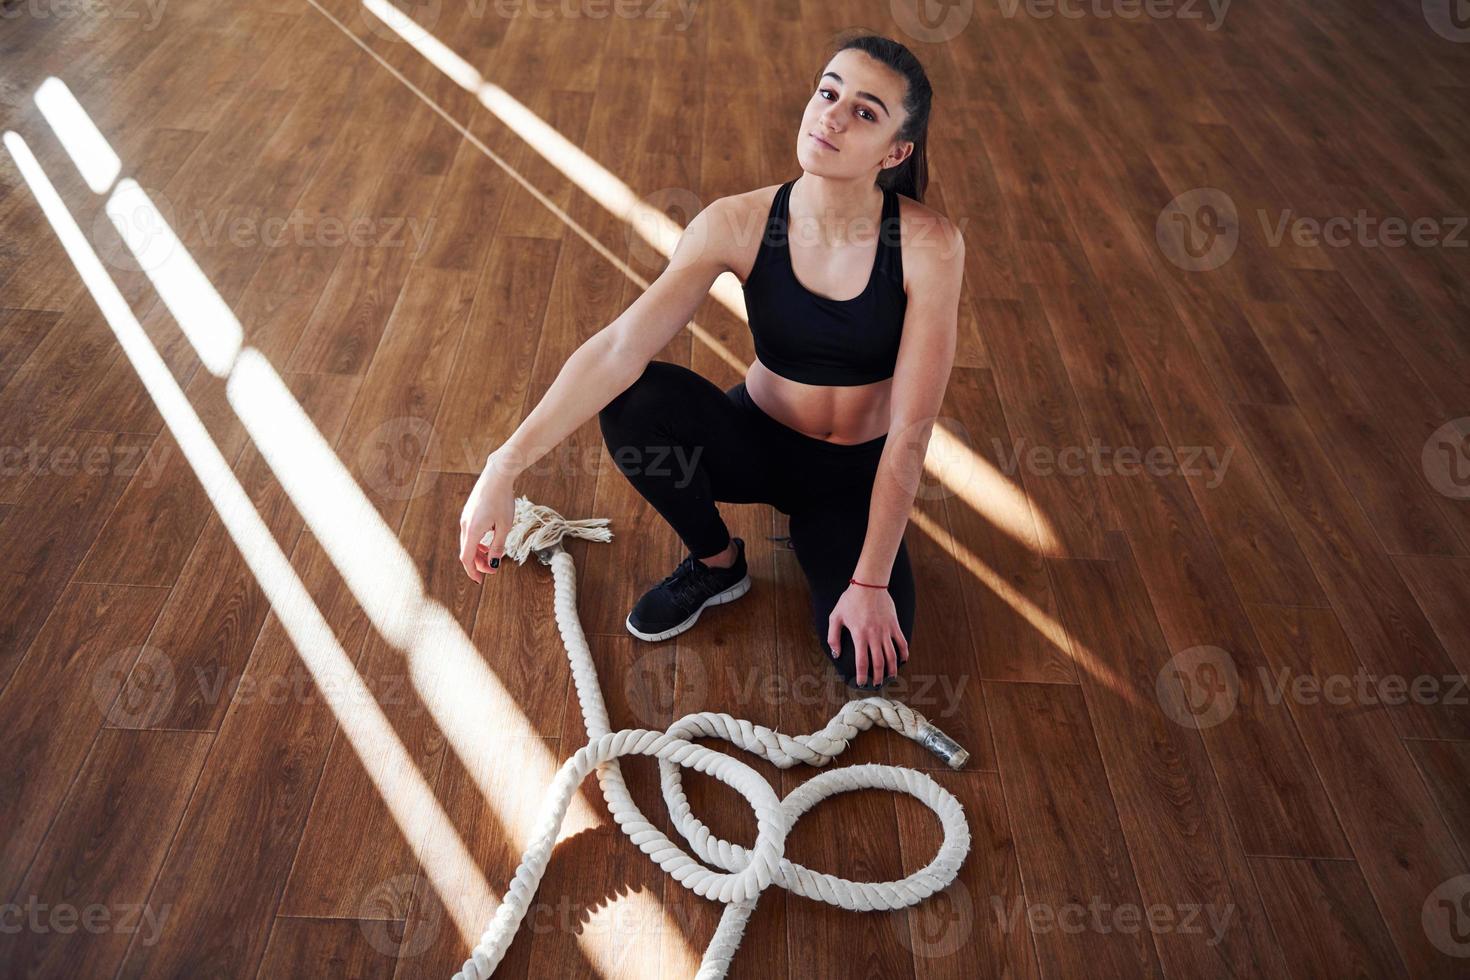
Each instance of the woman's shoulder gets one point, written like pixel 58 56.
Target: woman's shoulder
pixel 933 244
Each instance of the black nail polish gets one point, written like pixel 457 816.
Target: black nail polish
pixel 494 562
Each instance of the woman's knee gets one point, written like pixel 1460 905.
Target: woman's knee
pixel 647 397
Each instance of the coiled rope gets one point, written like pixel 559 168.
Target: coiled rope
pixel 747 872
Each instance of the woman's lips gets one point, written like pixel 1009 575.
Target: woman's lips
pixel 823 143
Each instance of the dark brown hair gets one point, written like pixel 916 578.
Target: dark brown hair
pixel 912 176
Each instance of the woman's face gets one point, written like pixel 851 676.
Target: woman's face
pixel 858 108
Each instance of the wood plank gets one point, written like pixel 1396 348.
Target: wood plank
pixel 1394 496
pixel 98 861
pixel 1404 849
pixel 21 331
pixel 1184 844
pixel 1041 410
pixel 333 949
pixel 213 618
pixel 1194 598
pixel 1375 608
pixel 384 834
pixel 49 387
pixel 77 484
pixel 56 701
pixel 1441 586
pixel 1446 768
pixel 378 246
pixel 1326 918
pixel 1012 612
pixel 494 363
pixel 1070 846
pixel 222 910
pixel 965 930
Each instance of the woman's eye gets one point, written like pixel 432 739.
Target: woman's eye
pixel 867 113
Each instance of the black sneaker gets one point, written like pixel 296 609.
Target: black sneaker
pixel 674 605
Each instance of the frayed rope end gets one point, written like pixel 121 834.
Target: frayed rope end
pixel 538 527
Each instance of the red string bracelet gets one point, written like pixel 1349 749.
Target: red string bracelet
pixel 856 582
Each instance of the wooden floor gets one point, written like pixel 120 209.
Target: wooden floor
pixel 257 721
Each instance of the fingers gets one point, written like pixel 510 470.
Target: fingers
pixel 834 637
pixel 467 551
pixel 890 655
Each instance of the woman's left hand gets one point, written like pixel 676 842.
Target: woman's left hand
pixel 872 619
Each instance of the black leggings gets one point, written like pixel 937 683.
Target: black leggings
pixel 685 444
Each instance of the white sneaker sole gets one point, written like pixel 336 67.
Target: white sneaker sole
pixel 729 595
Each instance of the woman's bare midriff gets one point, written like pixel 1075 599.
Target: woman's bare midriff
pixel 833 413
pixel 841 414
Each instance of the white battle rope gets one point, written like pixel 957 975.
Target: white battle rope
pixel 747 872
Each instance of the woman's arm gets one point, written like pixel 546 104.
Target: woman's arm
pixel 609 361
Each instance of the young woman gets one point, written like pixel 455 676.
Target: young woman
pixel 852 294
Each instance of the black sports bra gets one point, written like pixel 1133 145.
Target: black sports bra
pixel 819 341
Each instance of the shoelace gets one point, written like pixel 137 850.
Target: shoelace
pixel 685 580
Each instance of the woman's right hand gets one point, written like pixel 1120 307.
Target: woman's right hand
pixel 491 507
